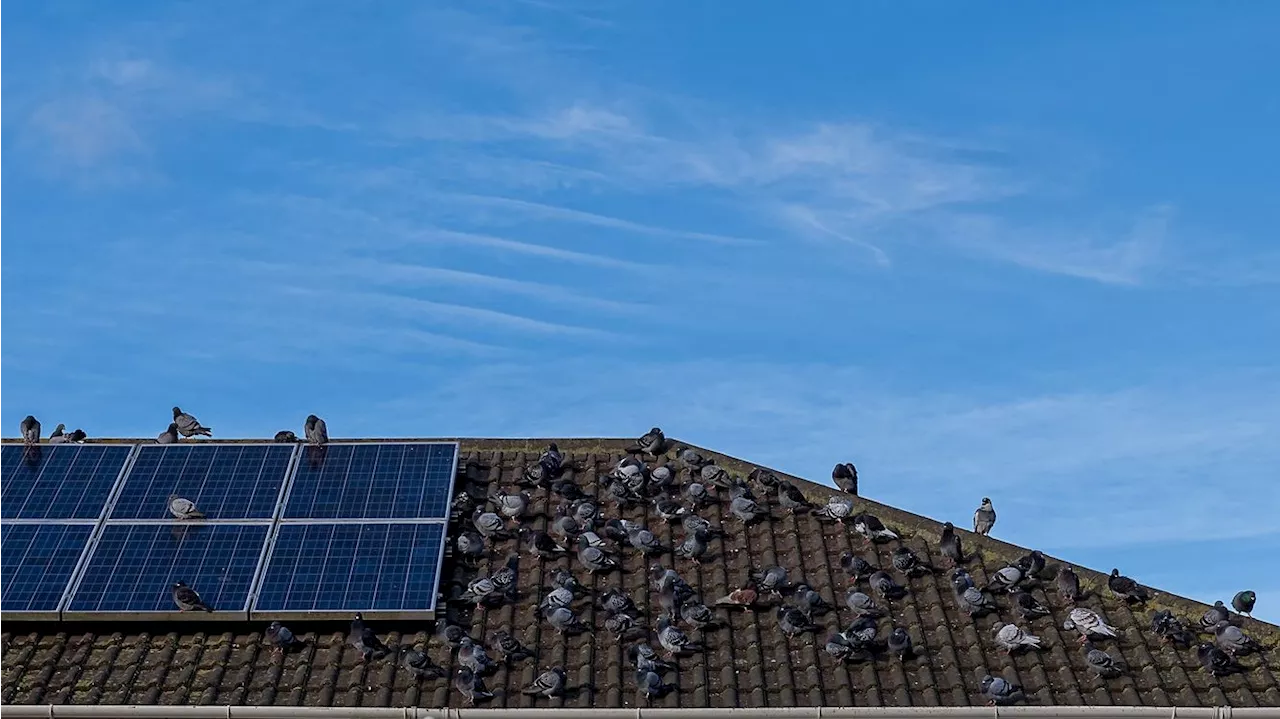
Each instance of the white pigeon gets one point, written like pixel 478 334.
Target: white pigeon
pixel 183 508
pixel 1012 638
pixel 1088 623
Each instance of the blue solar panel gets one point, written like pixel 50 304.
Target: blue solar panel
pixel 61 481
pixel 38 560
pixel 133 567
pixel 228 481
pixel 352 568
pixel 372 481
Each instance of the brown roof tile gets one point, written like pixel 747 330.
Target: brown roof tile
pixel 747 663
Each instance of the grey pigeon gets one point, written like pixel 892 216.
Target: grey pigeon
pixel 594 559
pixel 565 526
pixel 618 493
pixel 746 510
pixel 984 518
pixel 585 510
pixel 480 590
pixel 489 525
pixel 470 545
pixel 620 625
pixel 791 498
pixel 564 579
pixel 1243 602
pixel 961 580
pixel 668 508
pixel 693 523
pixel 1217 662
pixel 839 647
pixel 548 684
pixel 1089 624
pixel 906 561
pixel 666 578
pixel 673 639
pixel 845 476
pixel 315 430
pixel 1028 606
pixel 899 644
pixel 643 657
pixel 58 437
pixel 616 601
pixel 1126 589
pixel 870 526
pixel 1068 585
pixel 183 508
pixel 1032 564
pixel 697 615
pixel 714 474
pixel 281 638
pixel 512 506
pixel 420 665
pixel 793 622
pixel 364 639
pixel 1234 641
pixel 188 599
pixel 810 602
pixel 650 684
pixel 856 567
pixel 30 428
pixel 1171 629
pixel 541 544
pixel 697 493
pixel 973 601
pixel 694 546
pixel 1006 578
pixel 771 579
pixel 668 602
pixel 474 657
pixel 1217 613
pixel 652 442
pixel 557 597
pixel 691 459
pixel 1012 638
pixel 285 436
pixel 189 426
pixel 862 633
pixel 949 545
pixel 884 585
pixel 471 686
pixel 504 580
pixel 511 648
pixel 662 477
pixel 1000 691
pixel 562 619
pixel 452 634
pixel 644 540
pixel 169 436
pixel 1102 663
pixel 861 604
pixel 837 509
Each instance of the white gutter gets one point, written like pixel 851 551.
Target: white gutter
pixel 69 711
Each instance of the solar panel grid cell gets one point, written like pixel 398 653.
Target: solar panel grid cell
pixel 224 481
pixel 59 481
pixel 372 481
pixel 38 562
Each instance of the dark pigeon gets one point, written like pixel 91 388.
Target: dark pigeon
pixel 512 650
pixel 188 599
pixel 1126 588
pixel 1028 606
pixel 1217 662
pixel 285 436
pixel 906 561
pixel 189 426
pixel 1217 613
pixel 548 684
pixel 884 585
pixel 471 686
pixel 1000 691
pixel 856 567
pixel 1171 629
pixel 364 639
pixel 315 430
pixel 1068 585
pixel 653 442
pixel 169 436
pixel 793 622
pixel 1032 564
pixel 281 638
pixel 845 477
pixel 30 428
pixel 1243 602
pixel 1102 663
pixel 899 644
pixel 420 665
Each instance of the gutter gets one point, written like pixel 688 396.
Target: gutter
pixel 69 711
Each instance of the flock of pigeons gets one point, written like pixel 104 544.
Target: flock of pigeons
pixel 183 425
pixel 487 515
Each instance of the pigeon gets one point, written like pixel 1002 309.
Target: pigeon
pixel 619 625
pixel 1007 578
pixel 714 474
pixel 662 477
pixel 764 478
pixel 886 587
pixel 855 566
pixel 285 436
pixel 870 526
pixel 1012 638
pixel 652 442
pixel 183 508
pixel 169 436
pixel 673 639
pixel 693 546
pixel 512 506
pixel 281 638
pixel 906 561
pixel 364 639
pixel 593 559
pixel 1217 613
pixel 511 648
pixel 644 540
pixel 188 599
pixel 961 580
pixel 564 620
pixel 697 493
pixel 697 615
pixel 1089 624
pixel 985 518
pixel 1000 691
pixel 480 590
pixel 839 647
pixel 1243 602
pixel 791 498
pixel 569 490
pixel 862 633
pixel 557 597
pixel 504 580
pixel 548 684
pixel 470 545
pixel 489 525
pixel 420 665
pixel 452 634
pixel 585 510
pixel 746 510
pixel 474 657
pixel 30 428
pixel 1068 585
pixel 619 493
pixel 837 509
pixel 565 527
pixel 189 426
pixel 669 579
pixel 651 685
pixel 315 430
pixel 845 477
pixel 744 596
pixel 541 544
pixel 1028 606
pixel 551 460
pixel 793 622
pixel 1171 629
pixel 1217 662
pixel 1102 664
pixel 536 475
pixel 771 579
pixel 899 644
pixel 616 601
pixel 861 604
pixel 58 437
pixel 973 601
pixel 1126 589
pixel 643 657
pixel 810 602
pixel 1233 641
pixel 564 579
pixel 693 523
pixel 471 686
pixel 668 508
pixel 77 436
pixel 1032 564
pixel 691 459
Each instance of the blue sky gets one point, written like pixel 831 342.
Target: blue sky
pixel 1009 251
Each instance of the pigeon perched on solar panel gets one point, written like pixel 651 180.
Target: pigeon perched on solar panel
pixel 652 442
pixel 471 686
pixel 1171 629
pixel 870 527
pixel 1068 584
pixel 1012 638
pixel 77 436
pixel 650 684
pixel 1234 641
pixel 906 561
pixel 285 436
pixel 1126 588
pixel 281 638
pixel 1217 662
pixel 420 665
pixel 837 509
pixel 1102 663
pixel 1243 602
pixel 548 684
pixel 845 477
pixel 1028 606
pixel 1088 624
pixel 1000 691
pixel 1217 613
pixel 950 545
pixel 541 544
pixel 189 426
pixel 58 436
pixel 694 546
pixel 861 604
pixel 563 619
pixel 183 508
pixel 1005 578
pixel 188 599
pixel 316 431
pixel 856 567
pixel 474 657
pixel 512 650
pixel 673 639
pixel 364 639
pixel 984 518
pixel 744 596
pixel 169 436
pixel 30 428
pixel 899 644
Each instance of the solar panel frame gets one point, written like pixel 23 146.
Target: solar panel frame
pixel 28 613
pixel 346 612
pixel 448 491
pixel 131 452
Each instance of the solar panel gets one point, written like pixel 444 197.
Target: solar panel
pixel 61 481
pixel 132 568
pixel 228 481
pixel 334 570
pixel 373 481
pixel 38 561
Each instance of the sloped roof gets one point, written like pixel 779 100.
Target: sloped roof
pixel 749 663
